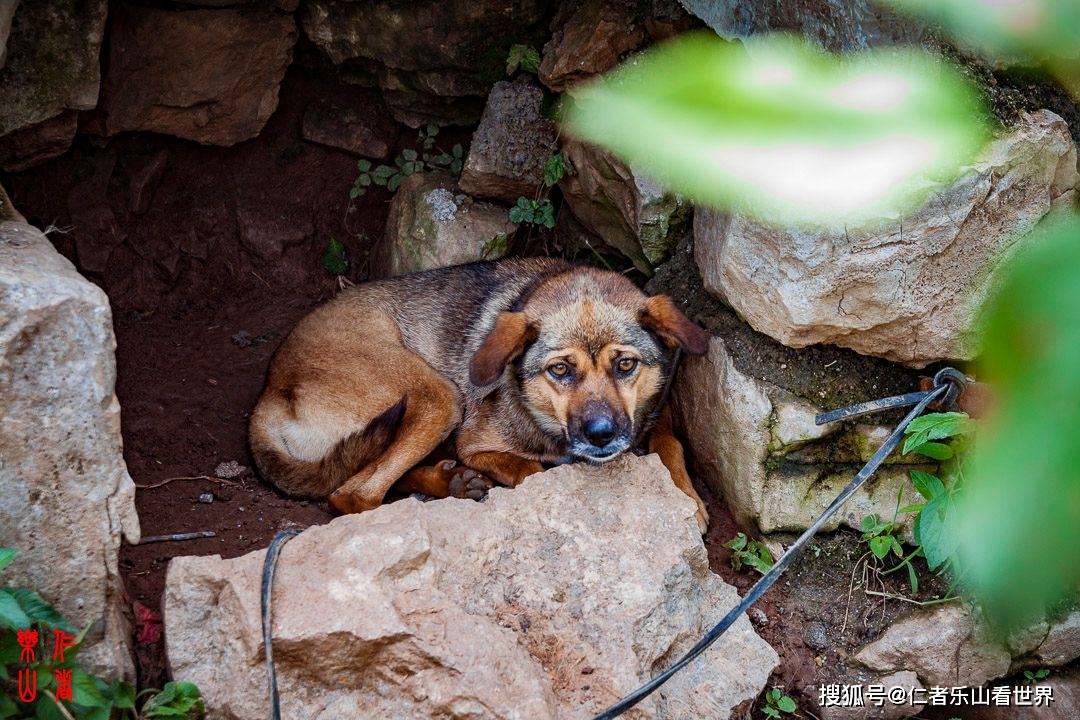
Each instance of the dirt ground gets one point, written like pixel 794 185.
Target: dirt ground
pixel 171 231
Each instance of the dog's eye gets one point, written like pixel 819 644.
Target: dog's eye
pixel 559 369
pixel 626 365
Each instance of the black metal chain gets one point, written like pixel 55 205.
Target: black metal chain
pixel 947 386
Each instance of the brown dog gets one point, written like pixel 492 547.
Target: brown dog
pixel 531 361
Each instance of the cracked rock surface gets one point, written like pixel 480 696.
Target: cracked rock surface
pixel 908 290
pixel 548 601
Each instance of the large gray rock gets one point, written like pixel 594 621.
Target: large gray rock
pixel 211 76
pixel 945 646
pixel 427 55
pixel 835 24
pixel 547 601
pixel 51 66
pixel 951 645
pixel 628 210
pixel 67 496
pixel 432 225
pixel 907 290
pixel 511 146
pixel 755 443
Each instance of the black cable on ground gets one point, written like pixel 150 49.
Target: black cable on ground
pixel 269 563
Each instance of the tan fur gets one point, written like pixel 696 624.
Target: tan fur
pixel 369 384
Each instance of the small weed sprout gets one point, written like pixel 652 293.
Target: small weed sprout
pixel 533 212
pixel 879 536
pixel 555 169
pixel 334 260
pixel 778 703
pixel 1034 676
pixel 522 57
pixel 751 553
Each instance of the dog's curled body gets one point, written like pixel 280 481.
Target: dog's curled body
pixel 528 360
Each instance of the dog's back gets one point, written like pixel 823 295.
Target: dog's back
pixel 444 314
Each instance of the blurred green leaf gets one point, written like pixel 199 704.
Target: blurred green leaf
pixel 1021 513
pixel 38 610
pixel 784 130
pixel 11 613
pixel 1007 29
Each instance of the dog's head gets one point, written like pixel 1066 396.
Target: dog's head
pixel 588 348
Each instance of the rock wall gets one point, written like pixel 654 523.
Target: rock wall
pixel 68 499
pixel 548 601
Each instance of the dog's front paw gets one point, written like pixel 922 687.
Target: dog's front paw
pixel 702 517
pixel 467 483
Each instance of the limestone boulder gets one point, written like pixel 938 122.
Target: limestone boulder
pixel 835 24
pixel 945 646
pixel 551 600
pixel 629 211
pixel 1061 643
pixel 755 443
pixel 67 496
pixel 50 69
pixel 431 224
pixel 208 75
pixel 951 645
pixel 588 39
pixel 908 290
pixel 511 146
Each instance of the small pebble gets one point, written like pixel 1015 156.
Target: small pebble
pixel 229 470
pixel 816 637
pixel 758 616
pixel 206 498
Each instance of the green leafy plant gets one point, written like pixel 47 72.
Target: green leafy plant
pixel 778 703
pixel 408 162
pixel 749 553
pixel 177 701
pixel 533 212
pixel 334 260
pixel 555 169
pixel 26 616
pixel 522 57
pixel 1034 676
pixel 880 536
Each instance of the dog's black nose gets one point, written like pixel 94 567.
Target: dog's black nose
pixel 600 430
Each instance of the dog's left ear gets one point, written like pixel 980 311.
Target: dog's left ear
pixel 512 332
pixel 662 317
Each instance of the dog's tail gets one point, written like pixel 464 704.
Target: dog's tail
pixel 319 478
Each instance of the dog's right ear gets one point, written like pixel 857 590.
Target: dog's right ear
pixel 512 332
